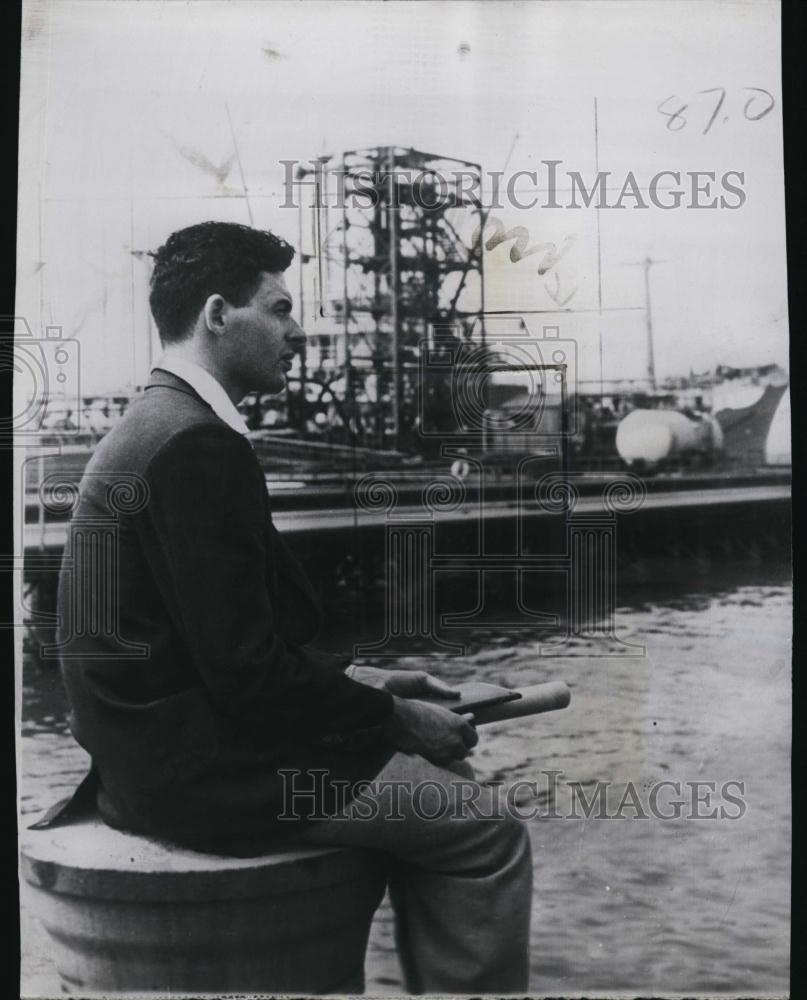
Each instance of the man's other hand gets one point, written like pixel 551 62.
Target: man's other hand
pixel 404 683
pixel 432 731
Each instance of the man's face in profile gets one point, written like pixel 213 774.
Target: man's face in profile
pixel 262 336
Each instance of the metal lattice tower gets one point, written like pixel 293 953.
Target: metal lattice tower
pixel 398 260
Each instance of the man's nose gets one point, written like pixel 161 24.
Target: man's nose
pixel 296 336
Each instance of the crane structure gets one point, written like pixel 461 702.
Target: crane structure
pixel 397 266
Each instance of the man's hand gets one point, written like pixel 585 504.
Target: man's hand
pixel 432 731
pixel 404 683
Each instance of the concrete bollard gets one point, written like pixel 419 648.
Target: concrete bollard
pixel 129 914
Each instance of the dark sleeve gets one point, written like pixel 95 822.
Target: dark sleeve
pixel 206 519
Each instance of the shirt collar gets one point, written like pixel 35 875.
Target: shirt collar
pixel 206 386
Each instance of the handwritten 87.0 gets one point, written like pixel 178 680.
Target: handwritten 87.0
pixel 759 104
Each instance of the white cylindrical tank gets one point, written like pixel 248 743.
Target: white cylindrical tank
pixel 654 436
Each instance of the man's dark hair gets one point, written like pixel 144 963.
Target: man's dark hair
pixel 210 258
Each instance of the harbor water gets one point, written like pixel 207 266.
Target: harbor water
pixel 625 900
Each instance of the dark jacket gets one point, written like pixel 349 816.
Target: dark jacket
pixel 188 740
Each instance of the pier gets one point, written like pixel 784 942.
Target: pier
pixel 302 508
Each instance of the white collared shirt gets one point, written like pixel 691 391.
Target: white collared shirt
pixel 209 388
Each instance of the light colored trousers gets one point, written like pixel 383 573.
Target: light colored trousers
pixel 460 885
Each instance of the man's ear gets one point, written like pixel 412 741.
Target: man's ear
pixel 214 313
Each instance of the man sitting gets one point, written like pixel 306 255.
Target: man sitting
pixel 234 733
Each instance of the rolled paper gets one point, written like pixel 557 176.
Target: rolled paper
pixel 534 700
